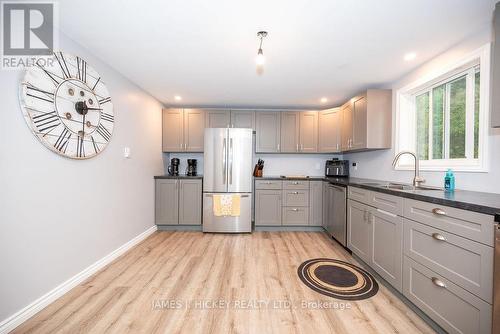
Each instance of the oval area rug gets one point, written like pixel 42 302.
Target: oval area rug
pixel 337 279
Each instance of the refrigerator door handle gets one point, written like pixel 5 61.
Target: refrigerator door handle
pixel 231 161
pixel 224 158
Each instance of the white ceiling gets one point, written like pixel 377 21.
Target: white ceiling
pixel 204 50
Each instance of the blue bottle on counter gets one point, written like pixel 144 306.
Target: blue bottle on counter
pixel 449 181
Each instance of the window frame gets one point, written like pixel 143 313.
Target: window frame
pixel 405 120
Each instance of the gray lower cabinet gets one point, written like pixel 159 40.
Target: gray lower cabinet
pixel 295 216
pixel 315 203
pixel 190 202
pixel 268 207
pixel 325 200
pixel 359 230
pixel 387 246
pixel 167 202
pixel 267 131
pixel 452 307
pixel 178 201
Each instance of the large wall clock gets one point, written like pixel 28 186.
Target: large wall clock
pixel 67 106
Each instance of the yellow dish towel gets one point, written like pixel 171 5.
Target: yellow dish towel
pixel 227 205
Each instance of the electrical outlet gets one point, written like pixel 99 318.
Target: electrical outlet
pixel 126 152
pixel 355 165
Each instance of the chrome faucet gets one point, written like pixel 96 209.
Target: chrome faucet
pixel 417 180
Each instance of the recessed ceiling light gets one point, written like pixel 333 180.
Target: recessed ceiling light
pixel 410 56
pixel 324 100
pixel 177 98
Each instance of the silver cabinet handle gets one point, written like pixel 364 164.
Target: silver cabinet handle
pixel 438 282
pixel 439 212
pixel 231 161
pixel 278 147
pixel 295 209
pixel 268 182
pixel 295 182
pixel 295 193
pixel 297 147
pixel 438 236
pixel 224 160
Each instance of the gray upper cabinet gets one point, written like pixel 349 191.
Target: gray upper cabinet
pixel 367 121
pixel 217 118
pixel 329 123
pixel 173 130
pixel 194 130
pixel 387 246
pixel 268 207
pixel 167 202
pixel 190 192
pixel 178 201
pixel 308 133
pixel 290 131
pixel 183 130
pixel 267 129
pixel 243 119
pixel 315 203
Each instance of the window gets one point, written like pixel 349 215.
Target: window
pixel 444 119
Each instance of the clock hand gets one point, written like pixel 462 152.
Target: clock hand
pixel 93 108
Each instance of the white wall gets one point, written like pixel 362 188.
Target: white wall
pixel 58 216
pixel 377 165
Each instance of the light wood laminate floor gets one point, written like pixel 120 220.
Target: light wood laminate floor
pixel 249 274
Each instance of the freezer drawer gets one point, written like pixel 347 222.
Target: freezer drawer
pixel 228 224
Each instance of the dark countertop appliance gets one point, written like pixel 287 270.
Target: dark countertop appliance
pixel 336 167
pixel 191 167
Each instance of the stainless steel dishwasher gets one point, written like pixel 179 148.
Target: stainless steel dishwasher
pixel 336 222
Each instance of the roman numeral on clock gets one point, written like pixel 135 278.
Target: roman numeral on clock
pixel 107 117
pixel 63 140
pixel 80 147
pixel 105 134
pixel 94 144
pixel 46 122
pixel 82 69
pixel 105 100
pixel 63 65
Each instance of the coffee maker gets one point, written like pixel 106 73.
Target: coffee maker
pixel 191 167
pixel 173 169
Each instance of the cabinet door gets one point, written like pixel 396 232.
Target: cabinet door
pixel 346 126
pixel 194 130
pixel 315 203
pixel 243 119
pixel 308 133
pixel 359 126
pixel 217 118
pixel 358 230
pixel 290 131
pixel 172 130
pixel 329 130
pixel 190 202
pixel 167 202
pixel 324 220
pixel 387 246
pixel 268 207
pixel 267 138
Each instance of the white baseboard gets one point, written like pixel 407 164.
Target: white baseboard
pixel 24 314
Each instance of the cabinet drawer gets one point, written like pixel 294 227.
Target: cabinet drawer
pixel 358 194
pixel 389 203
pixel 268 184
pixel 466 263
pixel 467 224
pixel 296 184
pixel 295 216
pixel 452 307
pixel 296 197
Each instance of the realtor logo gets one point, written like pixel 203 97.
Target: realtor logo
pixel 27 32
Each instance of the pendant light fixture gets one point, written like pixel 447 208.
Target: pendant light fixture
pixel 260 60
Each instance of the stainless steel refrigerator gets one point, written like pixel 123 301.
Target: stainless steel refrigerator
pixel 227 170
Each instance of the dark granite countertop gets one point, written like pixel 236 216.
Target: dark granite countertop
pixel 487 203
pixel 178 177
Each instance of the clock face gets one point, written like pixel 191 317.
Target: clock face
pixel 67 106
